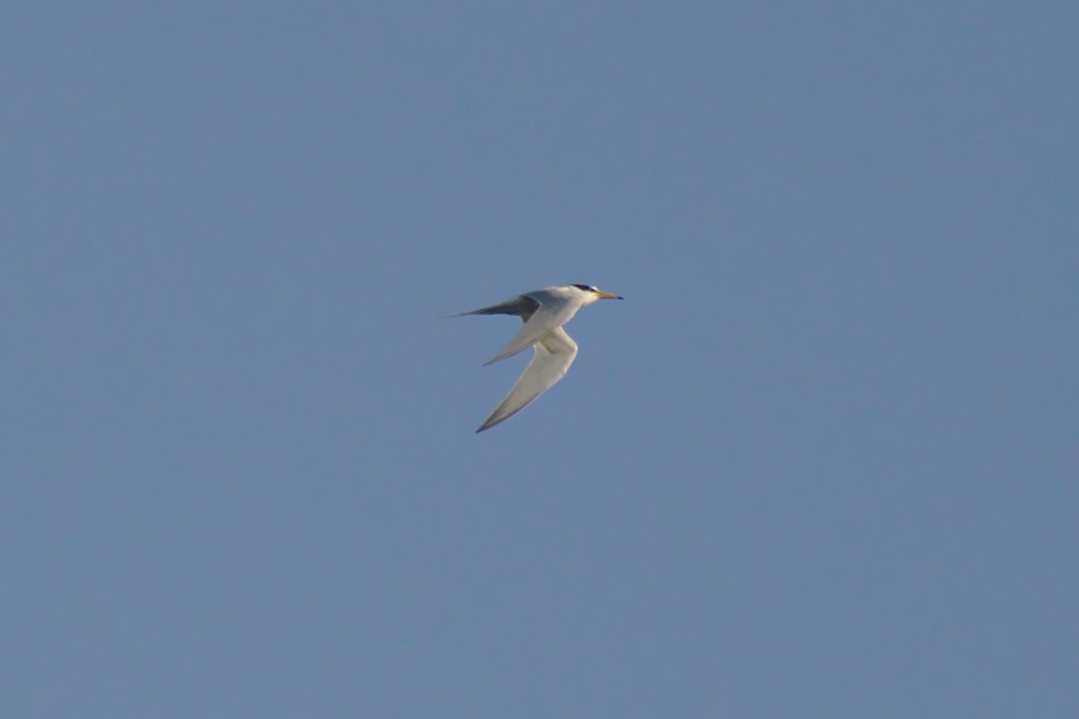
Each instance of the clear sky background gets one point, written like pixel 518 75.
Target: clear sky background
pixel 821 462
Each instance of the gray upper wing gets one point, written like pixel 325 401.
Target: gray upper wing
pixel 522 306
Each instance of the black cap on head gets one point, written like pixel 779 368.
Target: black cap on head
pixel 586 288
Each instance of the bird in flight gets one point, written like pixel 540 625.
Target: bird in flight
pixel 543 313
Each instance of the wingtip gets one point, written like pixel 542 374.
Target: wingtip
pixel 491 421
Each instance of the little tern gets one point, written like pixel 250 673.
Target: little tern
pixel 543 313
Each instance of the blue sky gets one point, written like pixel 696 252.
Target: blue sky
pixel 820 462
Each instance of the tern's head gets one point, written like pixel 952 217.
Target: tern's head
pixel 592 293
